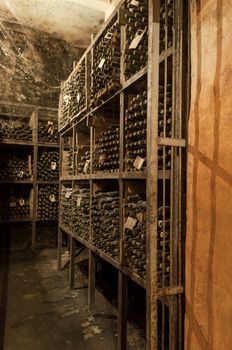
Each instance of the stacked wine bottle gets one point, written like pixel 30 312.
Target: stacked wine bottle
pixel 48 202
pixel 166 24
pixel 106 64
pixel 136 48
pixel 15 129
pixel 47 131
pixel 14 203
pixel 106 154
pixel 136 133
pixel 83 166
pixel 163 245
pixel 66 207
pixel 48 166
pixel 81 213
pixel 135 234
pixel 16 166
pixel 105 221
pixel 77 91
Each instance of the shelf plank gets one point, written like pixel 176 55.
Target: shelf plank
pixel 23 182
pixel 48 144
pixel 16 142
pixel 135 77
pixel 5 221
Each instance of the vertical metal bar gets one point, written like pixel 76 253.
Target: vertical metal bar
pixel 152 171
pixel 35 186
pixel 122 311
pixel 91 282
pixel 72 263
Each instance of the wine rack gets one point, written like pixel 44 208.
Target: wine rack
pixel 48 131
pixel 48 165
pixel 127 162
pixel 48 199
pixel 78 100
pixel 105 76
pixel 15 203
pixel 81 212
pixel 65 208
pixel 13 128
pixel 16 166
pixel 136 132
pixel 136 47
pixel 29 157
pixel 105 221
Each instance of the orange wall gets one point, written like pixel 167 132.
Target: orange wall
pixel 208 321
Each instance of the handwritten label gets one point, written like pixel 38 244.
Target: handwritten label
pixel 21 202
pixel 134 3
pixel 138 37
pixel 78 97
pixel 79 201
pixel 53 165
pixel 130 223
pixel 13 204
pixel 139 217
pixel 86 167
pixel 68 194
pixel 52 198
pixel 101 64
pixel 138 163
pixel 67 99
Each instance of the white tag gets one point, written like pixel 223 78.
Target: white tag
pixel 78 97
pixel 20 174
pixel 86 167
pixel 50 123
pixel 67 99
pixel 138 36
pixel 52 198
pixel 138 163
pixel 102 159
pixel 134 3
pixel 13 204
pixel 130 223
pixel 68 194
pixel 79 201
pixel 139 217
pixel 21 202
pixel 53 165
pixel 101 64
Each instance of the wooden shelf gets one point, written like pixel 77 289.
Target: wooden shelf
pixel 5 221
pixel 135 78
pixel 16 143
pixel 47 182
pixel 47 144
pixel 23 182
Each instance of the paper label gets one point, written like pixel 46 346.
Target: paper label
pixel 52 198
pixel 50 122
pixel 138 37
pixel 138 163
pixel 20 174
pixel 86 167
pixel 79 201
pixel 67 99
pixel 13 204
pixel 139 217
pixel 101 64
pixel 68 194
pixel 53 165
pixel 21 202
pixel 130 223
pixel 134 3
pixel 78 97
pixel 102 159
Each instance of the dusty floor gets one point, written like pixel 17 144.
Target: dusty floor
pixel 39 312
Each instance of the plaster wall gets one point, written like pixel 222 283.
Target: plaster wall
pixel 208 323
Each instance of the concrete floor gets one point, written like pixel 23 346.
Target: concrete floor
pixel 39 312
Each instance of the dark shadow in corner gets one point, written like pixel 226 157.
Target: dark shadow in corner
pixel 5 240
